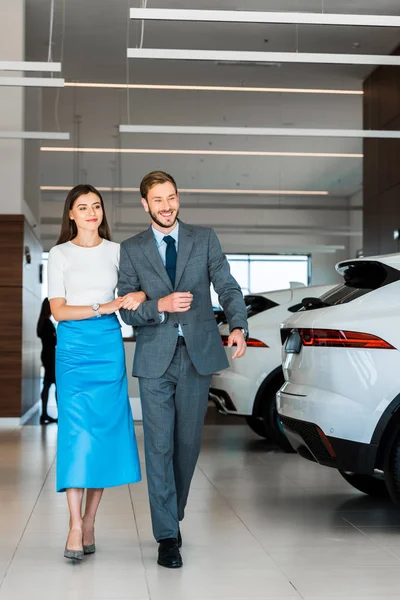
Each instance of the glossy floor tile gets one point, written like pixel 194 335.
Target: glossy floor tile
pixel 260 524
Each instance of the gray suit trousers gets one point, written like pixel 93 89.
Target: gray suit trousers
pixel 174 406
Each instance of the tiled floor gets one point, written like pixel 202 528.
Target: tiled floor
pixel 260 525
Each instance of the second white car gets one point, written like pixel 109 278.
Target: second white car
pixel 249 386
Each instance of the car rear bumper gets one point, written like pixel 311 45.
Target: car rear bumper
pixel 313 444
pixel 233 393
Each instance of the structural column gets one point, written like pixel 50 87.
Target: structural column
pixel 20 250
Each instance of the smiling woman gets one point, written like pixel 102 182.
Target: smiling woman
pixel 96 445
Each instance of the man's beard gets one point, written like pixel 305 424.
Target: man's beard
pixel 159 223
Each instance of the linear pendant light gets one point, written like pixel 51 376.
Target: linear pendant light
pixel 18 65
pixel 34 135
pixel 200 152
pixel 210 88
pixel 31 82
pixel 259 131
pixel 264 57
pixel 245 16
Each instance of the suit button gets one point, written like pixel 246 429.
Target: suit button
pixel 176 325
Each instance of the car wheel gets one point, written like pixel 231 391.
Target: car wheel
pixel 369 484
pixel 257 425
pixel 392 469
pixel 273 427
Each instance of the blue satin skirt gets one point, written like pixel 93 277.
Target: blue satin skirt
pixel 96 445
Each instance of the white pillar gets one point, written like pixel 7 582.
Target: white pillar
pixel 12 47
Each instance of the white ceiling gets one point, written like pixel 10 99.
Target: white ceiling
pixel 96 36
pixel 97 33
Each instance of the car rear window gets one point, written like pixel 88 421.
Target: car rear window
pixel 360 278
pixel 255 304
pixel 258 304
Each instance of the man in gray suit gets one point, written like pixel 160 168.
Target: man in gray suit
pixel 178 346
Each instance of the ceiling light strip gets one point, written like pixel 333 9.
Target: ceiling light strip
pixel 259 131
pixel 55 188
pixel 211 88
pixel 245 16
pixel 18 65
pixel 31 82
pixel 34 135
pixel 264 57
pixel 200 152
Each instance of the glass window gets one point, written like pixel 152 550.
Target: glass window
pixel 257 273
pixel 264 272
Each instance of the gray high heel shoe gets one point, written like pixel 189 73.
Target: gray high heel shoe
pixel 73 554
pixel 90 549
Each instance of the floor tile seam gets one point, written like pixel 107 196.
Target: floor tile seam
pixel 26 524
pixel 140 545
pixel 386 550
pixel 281 569
pixel 256 539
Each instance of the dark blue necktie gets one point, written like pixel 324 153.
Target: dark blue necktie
pixel 170 257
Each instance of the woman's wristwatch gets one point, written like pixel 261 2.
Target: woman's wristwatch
pixel 96 309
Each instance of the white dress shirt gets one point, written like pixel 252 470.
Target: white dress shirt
pixel 162 249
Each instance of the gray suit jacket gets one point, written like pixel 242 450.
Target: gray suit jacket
pixel 200 261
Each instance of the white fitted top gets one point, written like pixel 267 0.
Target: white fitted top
pixel 83 276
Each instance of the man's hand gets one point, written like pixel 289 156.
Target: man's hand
pixel 176 302
pixel 133 300
pixel 236 338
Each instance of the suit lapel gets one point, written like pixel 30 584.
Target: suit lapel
pixel 185 245
pixel 150 250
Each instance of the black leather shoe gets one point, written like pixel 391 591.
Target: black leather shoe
pixel 168 554
pixel 179 539
pixel 46 419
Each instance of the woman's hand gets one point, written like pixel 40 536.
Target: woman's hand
pixel 133 300
pixel 111 307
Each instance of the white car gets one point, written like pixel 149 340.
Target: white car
pixel 249 386
pixel 340 403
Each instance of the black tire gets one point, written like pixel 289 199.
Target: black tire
pixel 368 484
pixel 257 425
pixel 392 468
pixel 273 427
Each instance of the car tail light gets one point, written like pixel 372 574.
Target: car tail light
pixel 336 338
pixel 251 342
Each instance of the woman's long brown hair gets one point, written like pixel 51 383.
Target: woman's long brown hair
pixel 69 230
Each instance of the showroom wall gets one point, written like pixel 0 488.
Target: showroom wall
pixel 381 162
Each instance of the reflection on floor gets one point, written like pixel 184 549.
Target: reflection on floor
pixel 260 525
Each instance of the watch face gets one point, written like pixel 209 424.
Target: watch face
pixel 96 306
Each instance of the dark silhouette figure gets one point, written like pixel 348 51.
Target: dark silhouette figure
pixel 47 333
